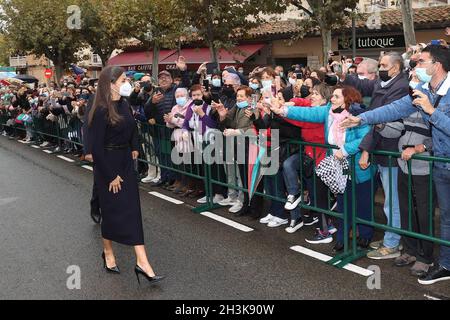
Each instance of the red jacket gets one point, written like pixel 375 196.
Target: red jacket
pixel 311 132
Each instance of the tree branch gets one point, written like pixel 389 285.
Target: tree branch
pixel 299 5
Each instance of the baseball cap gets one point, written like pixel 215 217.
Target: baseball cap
pixel 164 72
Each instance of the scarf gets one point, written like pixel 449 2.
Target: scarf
pixel 337 132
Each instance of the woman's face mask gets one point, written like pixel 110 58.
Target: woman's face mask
pixel 125 89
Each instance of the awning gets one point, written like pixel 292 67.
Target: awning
pixel 138 58
pixel 200 55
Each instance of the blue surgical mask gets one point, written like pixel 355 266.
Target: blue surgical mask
pixel 267 84
pixel 217 83
pixel 254 86
pixel 413 84
pixel 423 75
pixel 242 104
pixel 181 101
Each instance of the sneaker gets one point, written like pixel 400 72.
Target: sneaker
pixel 404 260
pixel 375 245
pixel 147 179
pixel 202 200
pixel 266 219
pixel 156 180
pixel 332 229
pixel 435 274
pixel 228 202
pixel 294 226
pixel 45 144
pixel 310 220
pixel 236 207
pixel 277 222
pixel 292 202
pixel 320 237
pixel 218 198
pixel 384 253
pixel 420 269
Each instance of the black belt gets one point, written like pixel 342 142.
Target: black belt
pixel 117 146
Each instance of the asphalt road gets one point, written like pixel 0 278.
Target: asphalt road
pixel 45 228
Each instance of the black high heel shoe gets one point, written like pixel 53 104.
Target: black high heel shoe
pixel 151 280
pixel 111 270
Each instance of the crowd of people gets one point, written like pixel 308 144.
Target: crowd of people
pixel 320 106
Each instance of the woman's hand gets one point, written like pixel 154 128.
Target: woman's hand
pixel 339 155
pixel 152 122
pixel 364 160
pixel 231 132
pixel 115 186
pixel 199 111
pixel 249 113
pixel 168 118
pixel 135 154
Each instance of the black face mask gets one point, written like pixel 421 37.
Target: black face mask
pixel 304 91
pixel 198 102
pixel 412 64
pixel 339 110
pixel 384 76
pixel 228 91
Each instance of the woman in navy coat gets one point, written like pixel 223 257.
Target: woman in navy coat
pixel 113 141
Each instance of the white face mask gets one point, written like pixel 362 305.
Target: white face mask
pixel 413 84
pixel 126 89
pixel 292 81
pixel 361 77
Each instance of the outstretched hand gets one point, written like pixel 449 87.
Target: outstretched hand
pixel 350 122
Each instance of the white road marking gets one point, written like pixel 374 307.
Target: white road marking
pixel 325 258
pixel 66 159
pixel 47 151
pixel 226 221
pixel 21 141
pixel 8 200
pixel 88 168
pixel 36 147
pixel 164 197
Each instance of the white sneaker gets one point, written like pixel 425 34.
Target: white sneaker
pixel 147 179
pixel 292 202
pixel 276 222
pixel 236 207
pixel 156 180
pixel 294 226
pixel 46 143
pixel 266 219
pixel 202 200
pixel 217 199
pixel 228 202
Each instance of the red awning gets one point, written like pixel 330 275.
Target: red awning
pixel 138 58
pixel 200 55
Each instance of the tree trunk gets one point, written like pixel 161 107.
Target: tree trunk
pixel 326 43
pixel 59 68
pixel 213 50
pixel 408 23
pixel 155 63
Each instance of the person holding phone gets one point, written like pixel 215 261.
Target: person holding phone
pixel 161 103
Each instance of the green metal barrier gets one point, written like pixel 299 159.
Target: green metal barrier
pixel 158 146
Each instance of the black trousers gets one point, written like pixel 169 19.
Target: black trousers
pixel 421 249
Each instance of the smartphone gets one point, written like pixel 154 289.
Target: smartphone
pixel 299 75
pixel 255 99
pixel 215 97
pixel 158 90
pixel 212 67
pixel 411 93
pixel 435 42
pixel 206 84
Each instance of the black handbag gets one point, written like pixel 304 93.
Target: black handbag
pixel 307 165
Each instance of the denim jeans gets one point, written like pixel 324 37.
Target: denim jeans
pixel 291 169
pixel 441 179
pixel 391 240
pixel 274 186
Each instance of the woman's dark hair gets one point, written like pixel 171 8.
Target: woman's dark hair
pixel 103 96
pixel 351 95
pixel 440 54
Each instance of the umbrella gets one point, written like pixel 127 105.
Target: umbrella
pixel 5 75
pixel 26 78
pixel 77 70
pixel 255 170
